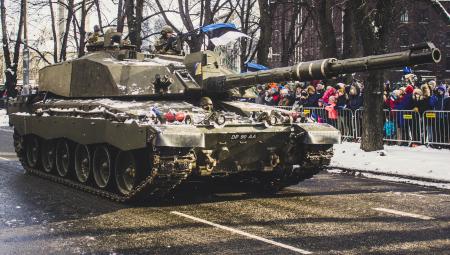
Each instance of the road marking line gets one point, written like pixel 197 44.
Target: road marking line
pixel 413 215
pixel 236 231
pixel 4 159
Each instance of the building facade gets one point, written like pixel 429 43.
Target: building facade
pixel 417 22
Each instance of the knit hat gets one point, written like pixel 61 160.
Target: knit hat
pixel 409 89
pixel 441 87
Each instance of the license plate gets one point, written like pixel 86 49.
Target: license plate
pixel 243 137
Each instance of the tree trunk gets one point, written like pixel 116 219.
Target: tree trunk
pixel 265 24
pixel 328 47
pixel 62 55
pixel 138 23
pixel 350 39
pixel 373 119
pixel 11 66
pixel 82 29
pixel 120 17
pixel 99 15
pixel 134 19
pixel 374 30
pixel 54 34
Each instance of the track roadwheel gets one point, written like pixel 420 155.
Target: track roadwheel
pixel 102 166
pixel 48 155
pixel 126 172
pixel 63 158
pixel 82 163
pixel 32 151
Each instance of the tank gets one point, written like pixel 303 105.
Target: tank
pixel 126 126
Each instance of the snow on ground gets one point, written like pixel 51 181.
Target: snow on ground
pixel 4 120
pixel 417 162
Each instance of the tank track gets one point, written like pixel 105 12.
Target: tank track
pixel 157 185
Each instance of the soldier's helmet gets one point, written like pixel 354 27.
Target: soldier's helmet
pixel 166 30
pixel 96 28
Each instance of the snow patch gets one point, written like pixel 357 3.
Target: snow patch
pixel 4 119
pixel 418 162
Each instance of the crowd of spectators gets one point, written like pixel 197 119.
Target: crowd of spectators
pixel 408 95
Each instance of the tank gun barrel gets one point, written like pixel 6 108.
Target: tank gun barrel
pixel 327 68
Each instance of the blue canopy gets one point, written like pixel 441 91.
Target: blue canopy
pixel 255 67
pixel 212 27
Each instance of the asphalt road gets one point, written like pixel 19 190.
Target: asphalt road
pixel 329 214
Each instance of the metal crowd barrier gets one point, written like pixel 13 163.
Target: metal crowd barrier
pixel 400 126
pixel 436 127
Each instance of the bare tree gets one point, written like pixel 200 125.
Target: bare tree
pixel 202 11
pixel 134 12
pixel 11 64
pixel 99 14
pixel 327 34
pixel 290 38
pixel 54 34
pixel 70 14
pixel 82 28
pixel 266 12
pixel 249 25
pixel 374 25
pixel 351 46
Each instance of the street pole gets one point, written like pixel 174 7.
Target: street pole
pixel 26 52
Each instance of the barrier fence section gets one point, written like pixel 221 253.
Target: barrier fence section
pixel 400 126
pixel 436 127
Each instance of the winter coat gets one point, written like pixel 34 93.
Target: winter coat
pixel 405 103
pixel 355 102
pixel 422 104
pixel 330 92
pixel 341 102
pixel 332 112
pixel 312 100
pixel 437 102
pixel 447 104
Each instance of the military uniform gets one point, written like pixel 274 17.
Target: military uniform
pixel 164 45
pixel 95 37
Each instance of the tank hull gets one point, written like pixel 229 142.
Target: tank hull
pixel 169 153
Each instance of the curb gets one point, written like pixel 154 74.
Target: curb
pixel 414 178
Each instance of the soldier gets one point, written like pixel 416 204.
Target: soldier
pixel 165 44
pixel 96 36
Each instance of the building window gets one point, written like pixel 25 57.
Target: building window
pixel 404 39
pixel 404 16
pixel 423 16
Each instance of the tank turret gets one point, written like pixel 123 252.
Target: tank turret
pixel 116 70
